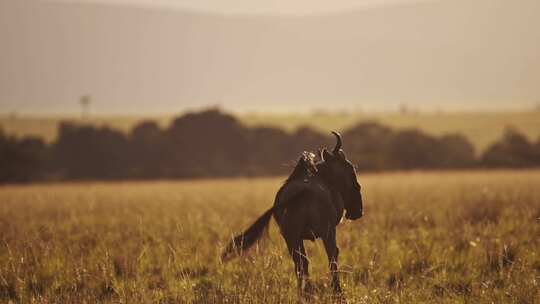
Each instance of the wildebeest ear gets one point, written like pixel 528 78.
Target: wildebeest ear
pixel 327 155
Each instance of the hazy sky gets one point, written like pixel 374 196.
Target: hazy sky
pixel 444 54
pixel 273 7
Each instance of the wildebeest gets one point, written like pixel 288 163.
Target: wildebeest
pixel 310 205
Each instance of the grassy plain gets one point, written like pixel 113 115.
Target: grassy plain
pixel 482 128
pixel 452 237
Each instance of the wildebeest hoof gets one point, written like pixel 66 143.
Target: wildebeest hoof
pixel 308 289
pixel 339 297
pixel 337 290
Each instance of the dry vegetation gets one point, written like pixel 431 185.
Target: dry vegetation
pixel 454 237
pixel 481 128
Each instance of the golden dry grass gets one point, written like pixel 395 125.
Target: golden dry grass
pixel 481 128
pixel 452 237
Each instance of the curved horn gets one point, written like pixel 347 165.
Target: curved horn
pixel 338 143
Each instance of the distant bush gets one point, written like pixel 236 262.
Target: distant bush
pixel 215 144
pixel 512 150
pixel 376 147
pixel 412 149
pixel 22 160
pixel 456 151
pixel 84 152
pixel 148 147
pixel 208 143
pixel 269 150
pixel 367 146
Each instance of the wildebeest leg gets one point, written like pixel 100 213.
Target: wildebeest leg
pixel 304 268
pixel 292 226
pixel 301 263
pixel 333 252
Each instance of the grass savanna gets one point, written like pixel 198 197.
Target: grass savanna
pixel 452 237
pixel 481 128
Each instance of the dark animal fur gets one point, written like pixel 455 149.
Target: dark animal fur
pixel 309 205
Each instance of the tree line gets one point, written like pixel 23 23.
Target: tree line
pixel 211 143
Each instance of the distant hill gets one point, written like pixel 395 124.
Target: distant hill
pixel 446 55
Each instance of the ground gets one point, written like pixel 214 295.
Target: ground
pixel 439 237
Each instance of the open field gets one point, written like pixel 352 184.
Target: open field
pixel 482 129
pixel 453 237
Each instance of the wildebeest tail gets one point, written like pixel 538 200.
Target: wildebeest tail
pixel 246 239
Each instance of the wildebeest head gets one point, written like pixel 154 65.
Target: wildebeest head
pixel 343 175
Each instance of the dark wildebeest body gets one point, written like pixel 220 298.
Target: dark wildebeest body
pixel 310 205
pixel 321 209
